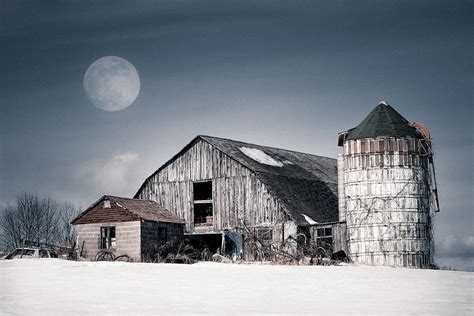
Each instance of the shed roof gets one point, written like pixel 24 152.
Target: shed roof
pixel 383 121
pixel 303 183
pixel 147 210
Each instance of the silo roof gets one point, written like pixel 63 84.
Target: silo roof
pixel 383 121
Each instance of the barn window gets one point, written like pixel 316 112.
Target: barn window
pixel 264 233
pixel 107 237
pixel 203 214
pixel 202 191
pixel 324 236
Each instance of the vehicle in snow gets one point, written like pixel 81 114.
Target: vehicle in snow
pixel 30 253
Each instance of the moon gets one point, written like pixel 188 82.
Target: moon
pixel 111 83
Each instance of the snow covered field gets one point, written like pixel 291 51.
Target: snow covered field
pixel 49 286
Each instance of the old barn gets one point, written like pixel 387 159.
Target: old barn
pixel 125 227
pixel 229 191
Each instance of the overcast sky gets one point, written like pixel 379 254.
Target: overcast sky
pixel 289 74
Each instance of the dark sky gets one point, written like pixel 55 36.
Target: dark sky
pixel 289 74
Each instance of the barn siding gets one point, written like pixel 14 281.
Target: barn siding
pixel 339 235
pixel 238 195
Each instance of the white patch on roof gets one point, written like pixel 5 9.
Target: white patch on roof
pixel 261 157
pixel 309 219
pixel 119 204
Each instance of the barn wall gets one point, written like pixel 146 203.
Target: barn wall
pixel 237 194
pixel 127 236
pixel 340 188
pixel 339 237
pixel 151 238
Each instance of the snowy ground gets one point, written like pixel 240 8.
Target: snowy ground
pixel 49 286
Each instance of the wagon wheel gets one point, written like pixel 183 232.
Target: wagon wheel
pixel 124 258
pixel 104 256
pixel 320 254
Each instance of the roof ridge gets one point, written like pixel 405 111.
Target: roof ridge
pixel 271 147
pixel 126 198
pixel 124 207
pixel 137 209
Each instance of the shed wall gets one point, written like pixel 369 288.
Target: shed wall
pixel 127 238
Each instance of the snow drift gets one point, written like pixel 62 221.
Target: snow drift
pixel 49 286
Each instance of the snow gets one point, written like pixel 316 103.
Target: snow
pixel 59 287
pixel 309 219
pixel 261 157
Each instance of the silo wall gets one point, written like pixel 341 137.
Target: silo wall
pixel 387 202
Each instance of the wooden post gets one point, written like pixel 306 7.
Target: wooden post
pixel 223 244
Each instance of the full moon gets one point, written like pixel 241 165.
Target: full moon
pixel 111 83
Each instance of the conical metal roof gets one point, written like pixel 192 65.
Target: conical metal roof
pixel 383 121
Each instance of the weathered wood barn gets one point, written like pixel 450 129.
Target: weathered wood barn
pixel 125 227
pixel 226 190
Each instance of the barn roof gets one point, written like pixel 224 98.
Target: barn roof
pixel 383 121
pixel 303 183
pixel 135 209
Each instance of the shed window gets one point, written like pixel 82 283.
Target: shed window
pixel 107 237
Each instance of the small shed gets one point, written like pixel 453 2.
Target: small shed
pixel 126 227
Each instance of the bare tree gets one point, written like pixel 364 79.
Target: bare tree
pixel 34 219
pixel 67 213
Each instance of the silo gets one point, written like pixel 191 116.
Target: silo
pixel 388 191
